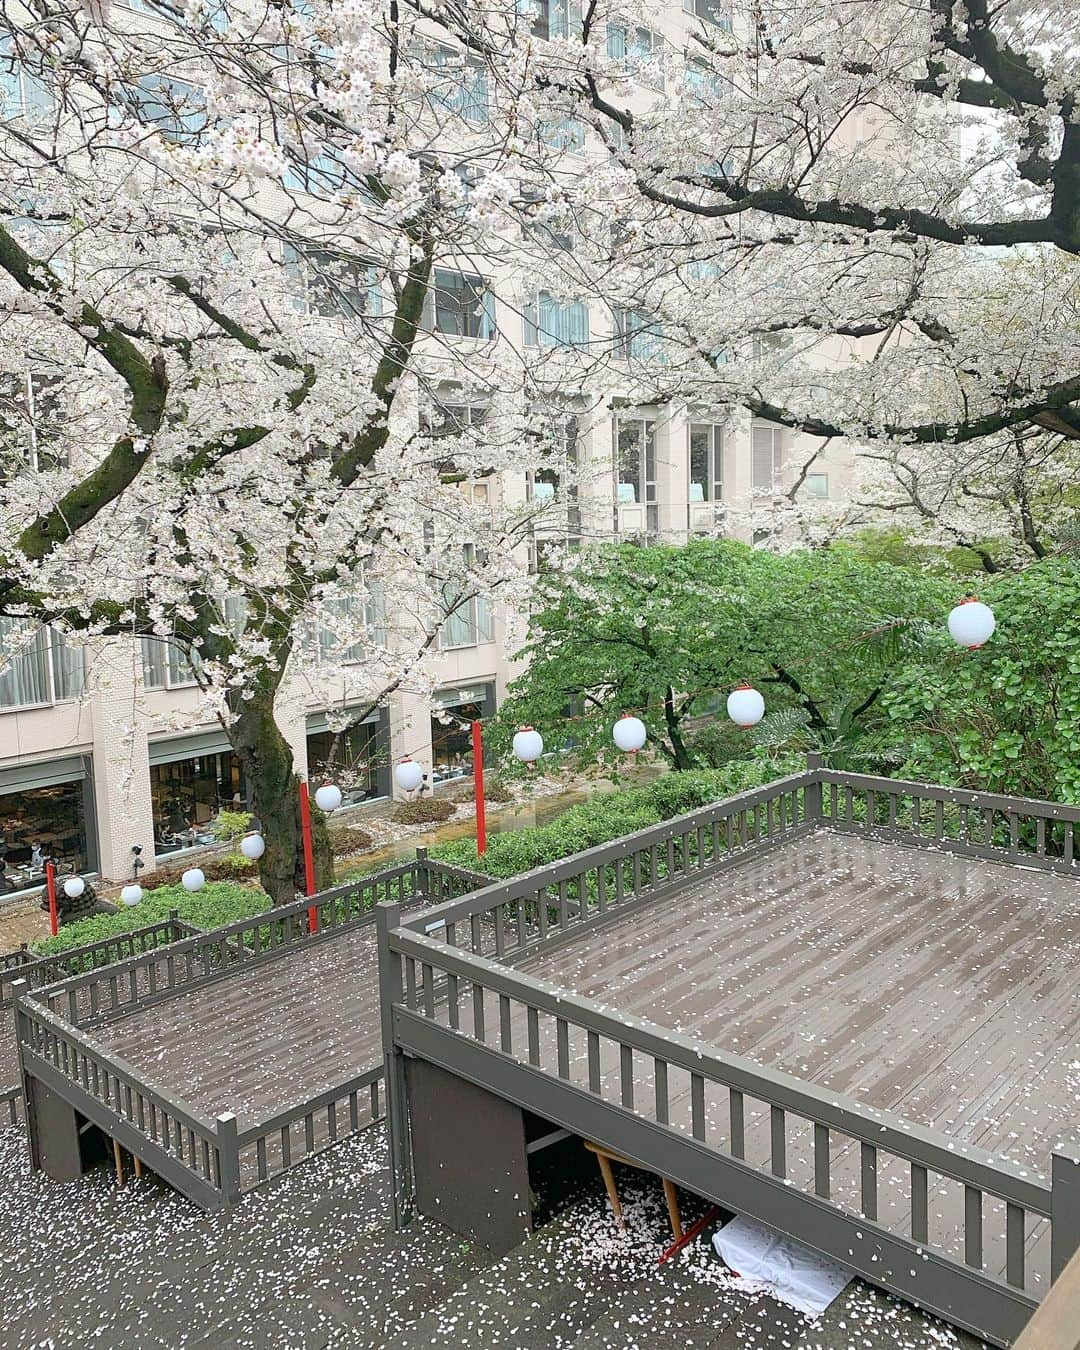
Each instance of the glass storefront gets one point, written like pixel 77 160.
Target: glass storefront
pixel 188 793
pixel 351 758
pixel 52 820
pixel 451 730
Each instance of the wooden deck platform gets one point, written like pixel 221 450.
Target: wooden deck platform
pixel 940 987
pixel 257 1041
pixel 943 988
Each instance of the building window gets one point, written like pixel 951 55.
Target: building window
pixel 555 323
pixel 562 133
pixel 449 419
pixel 31 419
pixel 716 12
pixel 350 758
pixel 22 94
pixel 702 84
pixel 451 730
pixel 355 613
pixel 551 18
pixel 461 305
pixel 767 449
pixel 41 823
pixel 817 485
pixel 38 672
pixel 461 86
pixel 177 109
pixel 635 466
pixel 636 48
pixel 706 462
pixel 186 795
pixel 320 173
pixel 328 282
pixel 166 665
pixel 467 617
pixel 638 336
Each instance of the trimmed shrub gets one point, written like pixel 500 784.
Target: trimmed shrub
pixel 612 815
pixel 233 867
pixel 230 825
pixel 346 840
pixel 217 903
pixel 425 811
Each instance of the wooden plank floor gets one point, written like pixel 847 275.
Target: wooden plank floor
pixel 942 988
pixel 265 1038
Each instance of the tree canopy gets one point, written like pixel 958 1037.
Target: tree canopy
pixel 667 632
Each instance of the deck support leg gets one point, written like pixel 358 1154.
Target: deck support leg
pixel 387 918
pixel 608 1174
pixel 119 1161
pixel 671 1195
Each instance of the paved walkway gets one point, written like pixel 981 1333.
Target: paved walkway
pixel 310 1263
pixel 21 921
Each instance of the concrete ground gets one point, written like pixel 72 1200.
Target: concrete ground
pixel 311 1263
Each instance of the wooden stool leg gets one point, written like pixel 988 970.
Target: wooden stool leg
pixel 609 1186
pixel 671 1195
pixel 119 1163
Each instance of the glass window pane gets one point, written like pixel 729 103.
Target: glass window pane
pixel 154 663
pixel 68 667
pixel 628 460
pixel 24 679
pixel 699 464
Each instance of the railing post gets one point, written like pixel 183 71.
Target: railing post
pixel 19 990
pixel 1064 1202
pixel 228 1158
pixel 422 873
pixel 812 795
pixel 387 918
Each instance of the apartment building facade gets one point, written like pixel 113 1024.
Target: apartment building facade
pixel 105 752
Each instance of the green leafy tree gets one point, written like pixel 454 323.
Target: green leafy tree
pixel 667 631
pixel 1005 718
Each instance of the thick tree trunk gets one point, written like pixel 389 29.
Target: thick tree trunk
pixel 267 762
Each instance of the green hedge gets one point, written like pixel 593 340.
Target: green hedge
pixel 219 902
pixel 612 815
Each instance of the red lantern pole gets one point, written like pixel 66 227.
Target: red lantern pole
pixel 478 786
pixel 50 886
pixel 309 855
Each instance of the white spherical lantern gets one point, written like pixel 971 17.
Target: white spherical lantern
pixel 629 733
pixel 131 895
pixel 971 622
pixel 253 845
pixel 328 797
pixel 745 706
pixel 74 887
pixel 528 745
pixel 193 879
pixel 408 774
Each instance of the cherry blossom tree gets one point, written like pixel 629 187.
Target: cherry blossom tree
pixel 219 232
pixel 853 218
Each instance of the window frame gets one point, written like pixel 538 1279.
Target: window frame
pixel 47 645
pixel 714 468
pixel 483 309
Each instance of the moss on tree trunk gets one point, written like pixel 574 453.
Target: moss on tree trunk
pixel 267 762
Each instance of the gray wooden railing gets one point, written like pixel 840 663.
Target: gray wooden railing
pixel 23 964
pixel 956 1230
pixel 552 904
pixel 194 1153
pixel 211 1161
pixel 148 977
pixel 956 820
